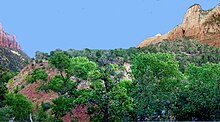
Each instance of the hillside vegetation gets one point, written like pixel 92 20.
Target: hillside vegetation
pixel 186 51
pixel 168 81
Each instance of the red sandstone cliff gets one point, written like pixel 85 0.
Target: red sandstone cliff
pixel 198 24
pixel 7 40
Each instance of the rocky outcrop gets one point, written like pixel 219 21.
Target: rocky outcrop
pixel 7 40
pixel 13 59
pixel 30 90
pixel 198 24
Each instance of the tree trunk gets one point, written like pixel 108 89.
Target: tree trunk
pixel 106 114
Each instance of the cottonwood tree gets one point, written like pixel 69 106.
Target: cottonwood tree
pixel 107 98
pixel 79 67
pixel 20 106
pixel 200 95
pixel 157 80
pixel 37 74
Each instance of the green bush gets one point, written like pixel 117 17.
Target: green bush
pixel 20 105
pixel 56 83
pixel 36 75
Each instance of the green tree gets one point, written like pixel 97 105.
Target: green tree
pixel 56 83
pixel 20 105
pixel 79 67
pixel 5 113
pixel 157 79
pixel 4 78
pixel 40 56
pixel 36 75
pixel 61 106
pixel 61 62
pixel 3 91
pixel 107 99
pixel 199 97
pixel 42 114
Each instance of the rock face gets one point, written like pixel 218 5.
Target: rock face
pixel 11 56
pixel 13 59
pixel 7 40
pixel 198 24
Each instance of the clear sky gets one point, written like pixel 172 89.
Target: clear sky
pixel 45 25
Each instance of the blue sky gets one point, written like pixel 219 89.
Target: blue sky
pixel 45 25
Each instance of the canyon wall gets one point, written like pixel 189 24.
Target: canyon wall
pixel 8 40
pixel 198 24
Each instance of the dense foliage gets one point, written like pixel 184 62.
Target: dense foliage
pixel 107 97
pixel 168 81
pixel 14 106
pixel 157 82
pixel 159 90
pixel 200 95
pixel 171 95
pixel 21 107
pixel 186 51
pixel 37 74
pixel 4 78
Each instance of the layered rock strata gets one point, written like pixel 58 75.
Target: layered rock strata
pixel 198 24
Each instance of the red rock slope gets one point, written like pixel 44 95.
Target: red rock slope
pixel 37 97
pixel 198 24
pixel 30 90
